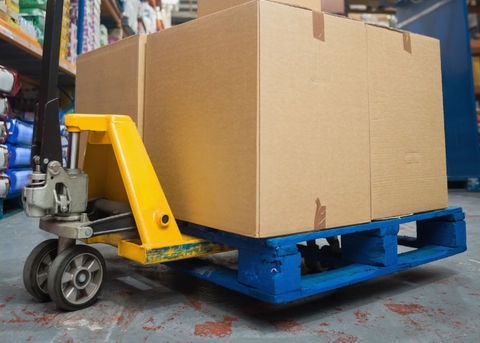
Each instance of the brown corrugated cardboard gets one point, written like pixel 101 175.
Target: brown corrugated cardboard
pixel 407 129
pixel 111 80
pixel 257 119
pixel 206 7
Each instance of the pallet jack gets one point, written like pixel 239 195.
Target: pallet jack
pixel 117 200
pixel 127 207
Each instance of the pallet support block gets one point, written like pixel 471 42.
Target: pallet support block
pixel 374 247
pixel 275 271
pixel 448 231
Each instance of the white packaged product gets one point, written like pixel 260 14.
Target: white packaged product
pixel 4 156
pixel 4 185
pixel 6 81
pixel 4 108
pixel 9 82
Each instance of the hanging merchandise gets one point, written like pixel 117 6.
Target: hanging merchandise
pixel 5 109
pixel 4 185
pixel 9 82
pixel 19 132
pixel 19 156
pixel 18 179
pixel 4 157
pixel 3 131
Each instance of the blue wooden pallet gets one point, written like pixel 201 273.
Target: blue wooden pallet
pixel 11 205
pixel 269 268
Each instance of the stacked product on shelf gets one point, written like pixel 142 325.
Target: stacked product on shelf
pixel 3 10
pixel 19 141
pixel 65 37
pixel 32 12
pixel 72 51
pixel 9 12
pixel 130 16
pixel 91 25
pixel 103 35
pixel 32 21
pixel 64 134
pixel 9 86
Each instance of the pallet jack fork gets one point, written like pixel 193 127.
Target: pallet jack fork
pixel 127 206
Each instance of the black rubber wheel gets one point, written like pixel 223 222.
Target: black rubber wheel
pixel 35 271
pixel 76 277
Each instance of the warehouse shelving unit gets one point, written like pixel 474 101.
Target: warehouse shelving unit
pixel 23 53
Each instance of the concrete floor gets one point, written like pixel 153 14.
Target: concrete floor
pixel 437 302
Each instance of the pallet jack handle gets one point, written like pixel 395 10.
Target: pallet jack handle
pixel 46 144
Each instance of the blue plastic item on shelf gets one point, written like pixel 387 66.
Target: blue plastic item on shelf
pixel 18 179
pixel 19 132
pixel 19 156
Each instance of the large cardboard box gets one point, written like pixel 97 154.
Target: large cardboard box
pixel 206 7
pixel 111 80
pixel 263 110
pixel 407 130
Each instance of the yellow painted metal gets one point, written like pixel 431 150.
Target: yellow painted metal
pixel 119 169
pixel 189 247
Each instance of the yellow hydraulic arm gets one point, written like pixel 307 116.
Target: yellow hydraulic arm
pixel 119 169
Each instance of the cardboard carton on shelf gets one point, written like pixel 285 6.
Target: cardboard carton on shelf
pixel 110 80
pixel 256 119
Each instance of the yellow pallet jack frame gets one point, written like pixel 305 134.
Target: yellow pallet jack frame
pixel 120 170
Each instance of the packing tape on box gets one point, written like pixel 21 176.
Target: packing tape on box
pixel 407 42
pixel 320 216
pixel 318 25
